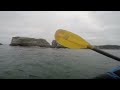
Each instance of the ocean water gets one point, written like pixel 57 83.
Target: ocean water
pixel 51 63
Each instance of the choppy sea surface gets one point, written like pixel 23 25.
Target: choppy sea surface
pixel 51 63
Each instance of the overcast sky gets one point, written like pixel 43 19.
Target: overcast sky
pixel 97 27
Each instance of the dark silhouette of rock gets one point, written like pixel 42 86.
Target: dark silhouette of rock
pixel 25 41
pixel 1 44
pixel 56 45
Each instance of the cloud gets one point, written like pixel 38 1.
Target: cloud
pixel 79 20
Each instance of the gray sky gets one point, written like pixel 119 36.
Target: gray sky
pixel 97 27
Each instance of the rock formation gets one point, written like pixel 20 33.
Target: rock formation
pixel 1 44
pixel 25 41
pixel 56 45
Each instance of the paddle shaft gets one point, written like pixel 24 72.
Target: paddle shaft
pixel 106 54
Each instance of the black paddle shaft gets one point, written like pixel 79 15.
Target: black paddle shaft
pixel 106 54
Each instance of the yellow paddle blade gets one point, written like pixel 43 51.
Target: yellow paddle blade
pixel 70 40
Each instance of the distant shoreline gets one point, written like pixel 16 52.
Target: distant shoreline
pixel 115 47
pixel 107 46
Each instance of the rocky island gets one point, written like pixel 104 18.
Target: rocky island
pixel 26 41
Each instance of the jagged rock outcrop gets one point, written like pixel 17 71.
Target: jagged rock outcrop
pixel 56 45
pixel 25 41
